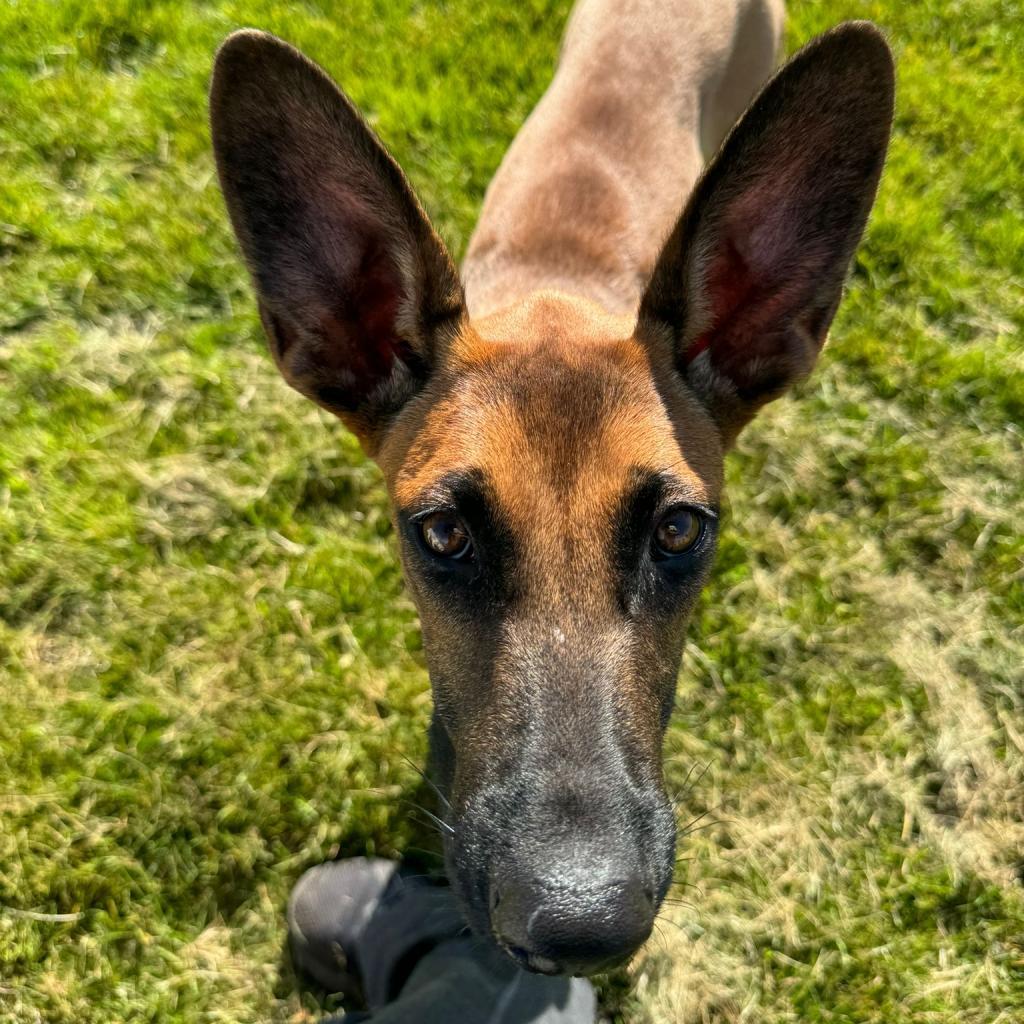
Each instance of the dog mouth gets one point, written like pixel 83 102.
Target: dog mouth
pixel 526 960
pixel 537 963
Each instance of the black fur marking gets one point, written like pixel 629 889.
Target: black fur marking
pixel 653 588
pixel 484 584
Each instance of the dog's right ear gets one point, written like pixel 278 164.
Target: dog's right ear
pixel 356 291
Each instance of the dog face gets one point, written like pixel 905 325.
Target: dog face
pixel 554 471
pixel 553 614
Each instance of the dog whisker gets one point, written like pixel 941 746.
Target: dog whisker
pixel 691 885
pixel 689 783
pixel 430 782
pixel 429 853
pixel 438 824
pixel 692 826
pixel 688 825
pixel 661 919
pixel 661 934
pixel 701 827
pixel 680 903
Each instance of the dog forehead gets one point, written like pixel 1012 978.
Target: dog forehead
pixel 556 418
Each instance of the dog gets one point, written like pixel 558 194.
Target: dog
pixel 552 426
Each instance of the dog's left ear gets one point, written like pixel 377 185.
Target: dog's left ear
pixel 748 282
pixel 356 291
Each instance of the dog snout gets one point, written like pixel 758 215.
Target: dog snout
pixel 572 912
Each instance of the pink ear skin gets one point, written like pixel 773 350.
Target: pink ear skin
pixel 352 346
pixel 750 279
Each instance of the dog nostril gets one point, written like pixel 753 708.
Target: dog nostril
pixel 649 893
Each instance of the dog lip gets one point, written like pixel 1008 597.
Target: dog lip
pixel 542 965
pixel 529 961
pixel 537 964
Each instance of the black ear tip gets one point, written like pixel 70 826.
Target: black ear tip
pixel 250 51
pixel 254 73
pixel 851 60
pixel 247 44
pixel 862 42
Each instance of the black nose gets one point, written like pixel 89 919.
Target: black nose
pixel 561 923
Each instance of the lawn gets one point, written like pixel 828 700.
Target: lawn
pixel 211 678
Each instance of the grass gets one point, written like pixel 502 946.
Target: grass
pixel 210 672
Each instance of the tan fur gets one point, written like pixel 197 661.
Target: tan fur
pixel 566 346
pixel 595 180
pixel 570 229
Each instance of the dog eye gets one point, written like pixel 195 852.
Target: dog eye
pixel 677 533
pixel 445 535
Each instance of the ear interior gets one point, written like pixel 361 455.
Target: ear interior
pixel 354 286
pixel 749 281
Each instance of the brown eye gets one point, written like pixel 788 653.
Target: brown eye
pixel 445 535
pixel 677 533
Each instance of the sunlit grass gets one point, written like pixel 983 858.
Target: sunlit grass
pixel 211 677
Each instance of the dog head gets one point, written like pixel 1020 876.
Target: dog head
pixel 554 471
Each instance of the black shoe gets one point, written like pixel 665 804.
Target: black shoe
pixel 328 911
pixel 359 926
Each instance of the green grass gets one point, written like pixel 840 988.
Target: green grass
pixel 211 674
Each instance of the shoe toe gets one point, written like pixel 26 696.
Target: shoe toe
pixel 327 913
